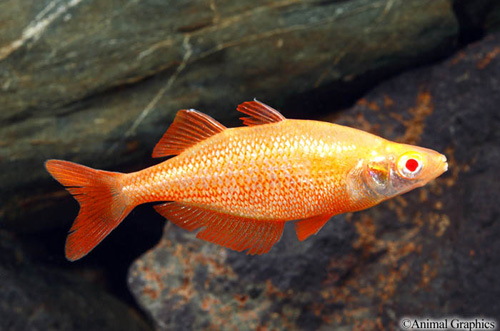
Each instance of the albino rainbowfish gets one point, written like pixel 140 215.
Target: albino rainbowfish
pixel 242 184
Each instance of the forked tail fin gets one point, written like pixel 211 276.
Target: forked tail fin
pixel 102 204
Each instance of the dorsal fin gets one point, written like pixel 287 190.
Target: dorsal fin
pixel 189 128
pixel 235 232
pixel 260 113
pixel 310 226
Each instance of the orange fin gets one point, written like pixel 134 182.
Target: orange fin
pixel 238 233
pixel 189 128
pixel 260 113
pixel 310 226
pixel 102 205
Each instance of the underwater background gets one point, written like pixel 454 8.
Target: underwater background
pixel 99 82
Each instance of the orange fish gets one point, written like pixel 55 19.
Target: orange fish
pixel 240 185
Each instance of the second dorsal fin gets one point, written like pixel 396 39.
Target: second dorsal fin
pixel 189 128
pixel 260 113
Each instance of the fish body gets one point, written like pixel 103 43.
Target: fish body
pixel 282 171
pixel 241 184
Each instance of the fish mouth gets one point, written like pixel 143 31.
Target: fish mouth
pixel 438 165
pixel 443 165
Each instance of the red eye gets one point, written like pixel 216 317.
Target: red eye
pixel 411 165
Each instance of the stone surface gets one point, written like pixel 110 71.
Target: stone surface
pixel 99 82
pixel 476 18
pixel 430 253
pixel 33 297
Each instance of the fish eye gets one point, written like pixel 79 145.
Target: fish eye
pixel 410 164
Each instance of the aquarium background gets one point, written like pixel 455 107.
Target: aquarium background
pixel 98 83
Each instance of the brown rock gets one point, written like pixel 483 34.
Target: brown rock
pixel 431 253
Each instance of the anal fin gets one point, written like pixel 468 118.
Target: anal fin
pixel 309 226
pixel 235 232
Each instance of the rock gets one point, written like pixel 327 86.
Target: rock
pixel 99 82
pixel 34 297
pixel 476 18
pixel 431 253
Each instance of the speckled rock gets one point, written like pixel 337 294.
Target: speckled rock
pixel 430 253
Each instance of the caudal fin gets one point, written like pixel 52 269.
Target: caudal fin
pixel 102 204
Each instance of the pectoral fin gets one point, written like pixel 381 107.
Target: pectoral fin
pixel 310 226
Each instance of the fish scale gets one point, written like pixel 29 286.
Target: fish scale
pixel 280 156
pixel 240 185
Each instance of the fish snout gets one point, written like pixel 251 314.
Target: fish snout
pixel 439 166
pixel 445 163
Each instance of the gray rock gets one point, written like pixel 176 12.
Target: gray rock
pixel 429 253
pixel 476 18
pixel 99 82
pixel 34 297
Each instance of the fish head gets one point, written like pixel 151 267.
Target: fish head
pixel 396 168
